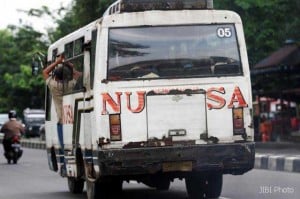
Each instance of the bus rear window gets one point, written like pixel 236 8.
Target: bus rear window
pixel 173 52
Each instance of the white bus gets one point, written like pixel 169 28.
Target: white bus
pixel 165 94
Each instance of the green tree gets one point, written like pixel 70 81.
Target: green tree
pixel 267 24
pixel 68 19
pixel 81 13
pixel 24 90
pixel 9 53
pixel 19 89
pixel 9 59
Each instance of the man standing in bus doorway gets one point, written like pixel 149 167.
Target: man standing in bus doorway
pixel 60 77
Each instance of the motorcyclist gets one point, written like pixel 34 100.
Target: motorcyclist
pixel 10 129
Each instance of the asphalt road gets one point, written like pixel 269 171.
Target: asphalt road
pixel 31 179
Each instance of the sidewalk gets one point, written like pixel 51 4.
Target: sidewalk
pixel 278 156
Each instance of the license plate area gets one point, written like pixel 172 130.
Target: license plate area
pixel 177 166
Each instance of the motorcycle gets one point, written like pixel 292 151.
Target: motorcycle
pixel 13 151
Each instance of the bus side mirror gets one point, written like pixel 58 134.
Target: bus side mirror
pixel 37 63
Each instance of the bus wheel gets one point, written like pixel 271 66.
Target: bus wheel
pixel 206 186
pixel 92 189
pixel 194 187
pixel 103 190
pixel 214 185
pixel 164 185
pixel 75 185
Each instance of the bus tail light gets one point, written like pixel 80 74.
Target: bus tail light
pixel 115 127
pixel 238 121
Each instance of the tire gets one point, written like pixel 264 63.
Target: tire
pixel 103 190
pixel 215 183
pixel 16 156
pixel 204 186
pixel 54 160
pixel 92 190
pixel 163 185
pixel 194 187
pixel 159 182
pixel 75 185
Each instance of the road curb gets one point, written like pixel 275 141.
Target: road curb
pixel 34 144
pixel 277 145
pixel 277 162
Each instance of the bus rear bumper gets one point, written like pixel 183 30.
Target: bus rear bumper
pixel 233 158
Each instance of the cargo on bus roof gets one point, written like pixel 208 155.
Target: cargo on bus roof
pixel 144 5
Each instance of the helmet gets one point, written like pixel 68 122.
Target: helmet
pixel 12 114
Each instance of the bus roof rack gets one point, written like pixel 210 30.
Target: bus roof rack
pixel 144 5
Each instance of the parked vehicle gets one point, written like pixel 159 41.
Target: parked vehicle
pixel 165 93
pixel 33 119
pixel 13 152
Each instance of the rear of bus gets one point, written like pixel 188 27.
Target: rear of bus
pixel 175 96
